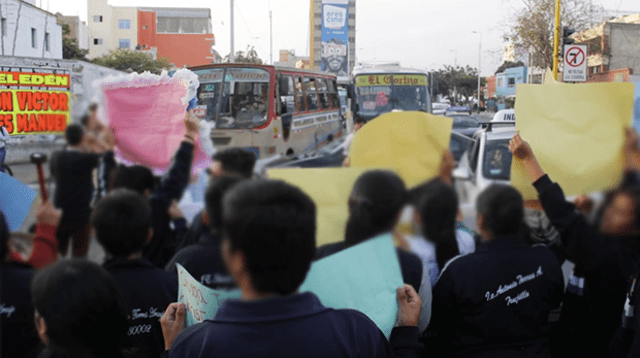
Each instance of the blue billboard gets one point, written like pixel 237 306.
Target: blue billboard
pixel 335 37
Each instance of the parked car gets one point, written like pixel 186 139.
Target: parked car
pixel 465 124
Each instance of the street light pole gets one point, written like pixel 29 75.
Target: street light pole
pixel 479 65
pixel 556 41
pixel 232 55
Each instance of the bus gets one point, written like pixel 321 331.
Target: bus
pixel 380 89
pixel 268 110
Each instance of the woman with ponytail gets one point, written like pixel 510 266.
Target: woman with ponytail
pixel 375 205
pixel 437 209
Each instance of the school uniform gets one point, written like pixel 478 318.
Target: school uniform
pixel 595 295
pixel 495 302
pixel 204 262
pixel 147 291
pixel 295 325
pixel 74 190
pixel 173 184
pixel 19 337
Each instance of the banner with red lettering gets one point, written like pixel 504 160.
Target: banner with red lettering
pixel 35 101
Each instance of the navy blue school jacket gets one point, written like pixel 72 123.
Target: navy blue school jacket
pixel 496 302
pixel 19 337
pixel 594 299
pixel 148 291
pixel 204 262
pixel 291 326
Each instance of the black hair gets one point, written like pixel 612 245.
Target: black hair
pixel 93 107
pixel 136 177
pixel 438 209
pixel 82 307
pixel 84 120
pixel 377 198
pixel 73 134
pixel 629 188
pixel 274 225
pixel 213 198
pixel 121 221
pixel 4 237
pixel 502 209
pixel 236 160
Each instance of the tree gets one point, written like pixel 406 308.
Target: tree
pixel 70 48
pixel 132 61
pixel 250 56
pixel 533 26
pixel 508 64
pixel 454 82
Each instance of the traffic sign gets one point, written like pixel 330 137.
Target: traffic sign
pixel 575 63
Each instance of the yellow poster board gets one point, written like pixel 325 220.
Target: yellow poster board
pixel 330 189
pixel 576 132
pixel 410 142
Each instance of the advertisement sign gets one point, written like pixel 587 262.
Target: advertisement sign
pixel 385 80
pixel 575 63
pixel 34 102
pixel 335 37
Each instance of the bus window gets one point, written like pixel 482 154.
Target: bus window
pixel 322 91
pixel 246 90
pixel 302 104
pixel 311 92
pixel 288 93
pixel 333 94
pixel 209 91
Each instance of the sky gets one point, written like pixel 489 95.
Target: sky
pixel 425 34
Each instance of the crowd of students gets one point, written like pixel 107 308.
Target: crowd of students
pixel 497 292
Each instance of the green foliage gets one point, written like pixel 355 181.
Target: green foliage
pixel 249 56
pixel 454 82
pixel 533 26
pixel 132 61
pixel 70 48
pixel 509 64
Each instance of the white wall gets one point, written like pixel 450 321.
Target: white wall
pixel 83 35
pixel 21 18
pixel 125 13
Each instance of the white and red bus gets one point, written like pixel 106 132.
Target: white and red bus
pixel 269 110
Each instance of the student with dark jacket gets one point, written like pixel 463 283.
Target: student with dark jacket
pixel 17 332
pixel 203 259
pixel 230 161
pixel 79 311
pixel 606 260
pixel 123 225
pixel 163 243
pixel 268 245
pixel 375 206
pixel 73 172
pixel 496 301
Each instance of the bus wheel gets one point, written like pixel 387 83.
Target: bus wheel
pixel 289 152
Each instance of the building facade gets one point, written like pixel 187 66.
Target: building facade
pixel 288 58
pixel 507 81
pixel 77 30
pixel 333 36
pixel 28 31
pixel 181 35
pixel 613 49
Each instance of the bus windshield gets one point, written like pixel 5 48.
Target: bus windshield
pixel 378 94
pixel 235 98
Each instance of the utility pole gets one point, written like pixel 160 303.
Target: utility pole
pixel 479 65
pixel 556 41
pixel 270 37
pixel 232 55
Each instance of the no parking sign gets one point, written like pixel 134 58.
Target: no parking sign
pixel 575 63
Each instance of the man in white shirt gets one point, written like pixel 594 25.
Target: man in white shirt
pixel 4 135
